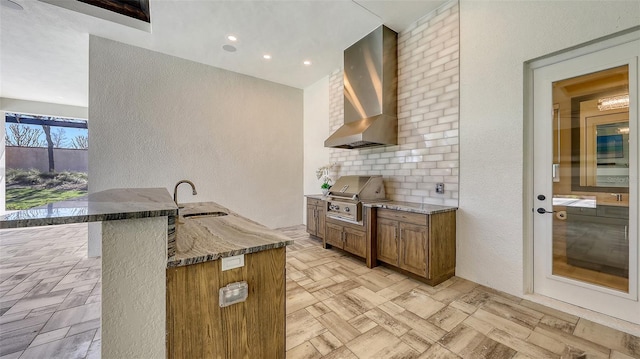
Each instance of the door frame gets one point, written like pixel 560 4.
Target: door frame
pixel 612 40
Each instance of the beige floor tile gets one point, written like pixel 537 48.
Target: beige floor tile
pixel 325 343
pixel 362 323
pixel 299 299
pixel 379 343
pixel 437 351
pixel 518 314
pixel 341 353
pixel 303 351
pixel 416 340
pixel 503 324
pixel 521 346
pixel 343 286
pixel 550 311
pixel 418 303
pixel 593 350
pixel 320 284
pixel 345 307
pixel 617 355
pixel 448 318
pixel 467 342
pixel 545 342
pixel 387 322
pixel 302 326
pixel 318 309
pixel 608 337
pixel 340 328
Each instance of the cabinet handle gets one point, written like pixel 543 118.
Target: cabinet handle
pixel 626 231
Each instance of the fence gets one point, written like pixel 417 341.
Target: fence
pixel 65 159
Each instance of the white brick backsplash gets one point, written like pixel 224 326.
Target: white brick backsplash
pixel 428 115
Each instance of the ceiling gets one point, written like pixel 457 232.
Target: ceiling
pixel 44 49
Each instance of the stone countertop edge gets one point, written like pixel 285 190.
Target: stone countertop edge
pixel 108 205
pixel 204 239
pixel 317 196
pixel 421 208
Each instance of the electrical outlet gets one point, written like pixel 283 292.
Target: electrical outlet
pixel 440 188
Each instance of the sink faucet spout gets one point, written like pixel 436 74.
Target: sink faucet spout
pixel 175 190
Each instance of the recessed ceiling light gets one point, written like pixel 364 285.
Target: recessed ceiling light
pixel 266 57
pixel 232 38
pixel 229 48
pixel 307 63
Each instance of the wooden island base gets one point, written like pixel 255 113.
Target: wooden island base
pixel 198 328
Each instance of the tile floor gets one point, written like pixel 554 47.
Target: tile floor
pixel 336 308
pixel 49 294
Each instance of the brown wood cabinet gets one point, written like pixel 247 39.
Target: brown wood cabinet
pixel 420 244
pixel 316 217
pixel 346 236
pixel 198 328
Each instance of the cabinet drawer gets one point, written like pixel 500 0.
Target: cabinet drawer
pixel 402 216
pixel 315 202
pixel 613 212
pixel 585 211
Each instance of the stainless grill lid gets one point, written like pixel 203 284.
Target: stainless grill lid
pixel 358 188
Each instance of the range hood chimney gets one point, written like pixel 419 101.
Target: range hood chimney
pixel 370 93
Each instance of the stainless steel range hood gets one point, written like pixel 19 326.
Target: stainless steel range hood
pixel 370 93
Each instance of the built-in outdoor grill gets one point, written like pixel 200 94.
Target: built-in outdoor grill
pixel 347 194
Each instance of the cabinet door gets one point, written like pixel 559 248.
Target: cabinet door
pixel 355 242
pixel 311 220
pixel 387 237
pixel 413 247
pixel 333 235
pixel 321 221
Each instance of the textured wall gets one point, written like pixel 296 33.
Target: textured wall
pixel 427 151
pixel 134 262
pixel 37 157
pixel 494 49
pixel 316 112
pixel 156 119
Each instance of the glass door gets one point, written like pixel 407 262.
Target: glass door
pixel 586 181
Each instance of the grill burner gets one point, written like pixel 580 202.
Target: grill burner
pixel 347 193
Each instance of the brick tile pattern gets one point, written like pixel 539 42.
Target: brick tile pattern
pixel 428 109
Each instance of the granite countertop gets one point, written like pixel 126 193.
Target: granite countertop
pixel 202 239
pixel 422 208
pixel 109 205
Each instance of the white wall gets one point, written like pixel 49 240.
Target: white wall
pixel 156 119
pixel 497 37
pixel 316 114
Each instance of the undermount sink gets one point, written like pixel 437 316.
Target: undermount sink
pixel 204 215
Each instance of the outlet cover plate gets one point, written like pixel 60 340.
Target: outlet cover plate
pixel 233 262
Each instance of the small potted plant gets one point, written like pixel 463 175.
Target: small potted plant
pixel 323 173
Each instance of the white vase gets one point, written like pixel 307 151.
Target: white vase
pixel 325 191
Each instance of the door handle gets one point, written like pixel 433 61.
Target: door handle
pixel 543 211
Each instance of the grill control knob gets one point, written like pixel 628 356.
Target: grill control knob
pixel 347 209
pixel 335 207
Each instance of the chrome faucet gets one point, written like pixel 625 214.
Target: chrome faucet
pixel 618 196
pixel 175 191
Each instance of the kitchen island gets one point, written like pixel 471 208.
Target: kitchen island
pixel 141 244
